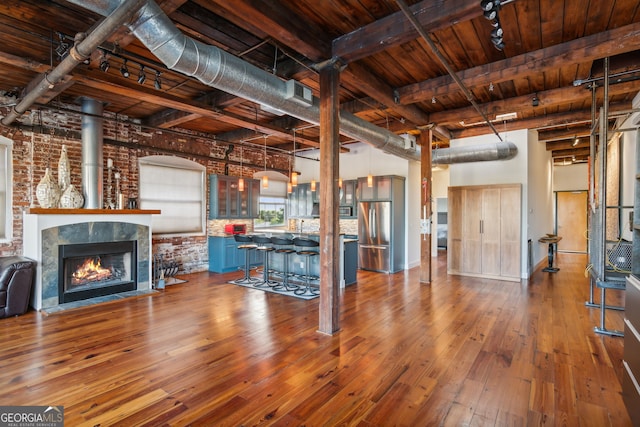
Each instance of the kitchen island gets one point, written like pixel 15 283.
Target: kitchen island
pixel 224 256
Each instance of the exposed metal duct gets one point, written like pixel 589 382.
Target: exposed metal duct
pixel 79 52
pixel 474 153
pixel 92 141
pixel 217 68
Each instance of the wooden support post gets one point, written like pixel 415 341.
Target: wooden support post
pixel 329 307
pixel 425 140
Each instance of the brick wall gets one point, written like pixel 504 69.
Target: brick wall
pixel 37 145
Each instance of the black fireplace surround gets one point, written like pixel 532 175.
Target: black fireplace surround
pixel 108 267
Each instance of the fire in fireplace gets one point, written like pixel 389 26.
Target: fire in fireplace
pixel 90 270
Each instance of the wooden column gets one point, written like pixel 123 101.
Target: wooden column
pixel 329 224
pixel 426 138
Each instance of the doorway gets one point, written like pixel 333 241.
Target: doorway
pixel 571 220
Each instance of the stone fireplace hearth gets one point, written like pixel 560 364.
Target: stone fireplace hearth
pixel 48 230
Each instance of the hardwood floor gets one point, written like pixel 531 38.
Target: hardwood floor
pixel 460 351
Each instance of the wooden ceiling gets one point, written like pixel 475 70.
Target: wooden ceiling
pixel 552 58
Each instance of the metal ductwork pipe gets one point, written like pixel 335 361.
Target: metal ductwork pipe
pixel 474 153
pixel 219 69
pixel 78 53
pixel 92 141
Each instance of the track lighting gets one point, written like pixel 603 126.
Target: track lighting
pixel 575 142
pixel 490 10
pixel 156 83
pixel 433 100
pixel 142 76
pixel 535 101
pixel 104 62
pixel 124 70
pixel 498 43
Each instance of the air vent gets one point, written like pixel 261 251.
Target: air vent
pixel 409 141
pixel 299 93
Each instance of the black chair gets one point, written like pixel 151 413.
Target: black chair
pixel 284 248
pixel 308 290
pixel 266 248
pixel 247 245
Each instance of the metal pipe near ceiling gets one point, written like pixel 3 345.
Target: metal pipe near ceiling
pixel 219 69
pixel 445 63
pixel 78 53
pixel 92 142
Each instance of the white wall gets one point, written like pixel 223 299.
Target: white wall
pixel 361 160
pixel 574 177
pixel 540 203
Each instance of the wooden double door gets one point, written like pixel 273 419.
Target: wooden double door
pixel 484 231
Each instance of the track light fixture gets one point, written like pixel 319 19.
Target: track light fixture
pixel 157 83
pixel 575 142
pixel 490 10
pixel 142 76
pixel 124 70
pixel 535 101
pixel 104 62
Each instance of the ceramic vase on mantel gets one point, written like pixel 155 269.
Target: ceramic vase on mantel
pixel 71 198
pixel 48 191
pixel 64 170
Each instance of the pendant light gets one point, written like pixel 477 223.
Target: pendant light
pixel 289 186
pixel 313 185
pixel 241 180
pixel 294 174
pixel 265 178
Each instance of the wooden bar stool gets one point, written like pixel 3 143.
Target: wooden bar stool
pixel 307 254
pixel 284 248
pixel 247 245
pixel 265 246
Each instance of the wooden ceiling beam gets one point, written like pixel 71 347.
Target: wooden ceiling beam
pixel 167 119
pixel 584 151
pixel 567 145
pixel 277 21
pixel 142 93
pixel 608 43
pixel 395 29
pixel 550 120
pixel 549 98
pixel 564 133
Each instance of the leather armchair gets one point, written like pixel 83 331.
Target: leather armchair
pixel 16 280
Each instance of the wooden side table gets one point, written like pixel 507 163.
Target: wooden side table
pixel 552 240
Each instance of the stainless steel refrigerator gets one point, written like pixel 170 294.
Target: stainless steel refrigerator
pixel 381 246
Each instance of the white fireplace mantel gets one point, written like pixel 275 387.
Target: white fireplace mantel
pixel 37 220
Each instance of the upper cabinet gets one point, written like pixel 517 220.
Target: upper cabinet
pixel 381 190
pixel 226 201
pixel 348 205
pixel 301 201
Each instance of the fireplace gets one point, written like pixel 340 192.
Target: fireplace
pixel 45 233
pixel 96 269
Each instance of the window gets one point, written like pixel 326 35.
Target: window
pixel 6 175
pixel 272 212
pixel 177 187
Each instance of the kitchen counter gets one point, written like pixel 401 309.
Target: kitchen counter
pixel 225 257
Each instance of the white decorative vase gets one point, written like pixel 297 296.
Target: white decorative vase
pixel 71 198
pixel 47 191
pixel 64 170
